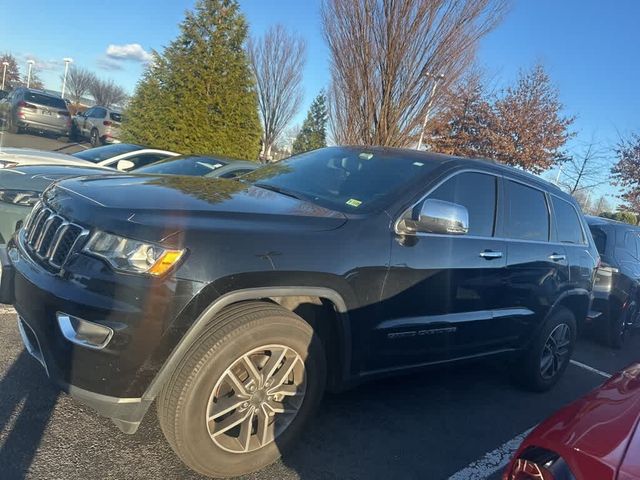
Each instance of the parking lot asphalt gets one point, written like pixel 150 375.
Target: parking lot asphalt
pixel 421 426
pixel 43 142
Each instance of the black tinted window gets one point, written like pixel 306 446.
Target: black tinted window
pixel 567 222
pixel 99 154
pixel 600 239
pixel 191 166
pixel 476 192
pixel 527 216
pixel 99 113
pixel 116 117
pixel 630 239
pixel 46 100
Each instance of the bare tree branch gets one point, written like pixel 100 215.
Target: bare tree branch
pixel 107 93
pixel 277 60
pixel 385 55
pixel 79 81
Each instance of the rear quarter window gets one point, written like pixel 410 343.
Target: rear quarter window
pixel 568 223
pixel 599 238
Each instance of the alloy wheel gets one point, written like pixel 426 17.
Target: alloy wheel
pixel 555 353
pixel 256 398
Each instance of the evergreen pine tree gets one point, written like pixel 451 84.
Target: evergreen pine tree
pixel 313 133
pixel 198 96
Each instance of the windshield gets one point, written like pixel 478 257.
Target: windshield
pixel 104 153
pixel 343 179
pixel 191 166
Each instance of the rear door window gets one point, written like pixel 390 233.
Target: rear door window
pixel 567 222
pixel 631 243
pixel 526 213
pixel 116 117
pixel 476 192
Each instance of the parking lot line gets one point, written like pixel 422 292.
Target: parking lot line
pixel 591 369
pixel 492 461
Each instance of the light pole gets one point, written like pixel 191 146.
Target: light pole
pixel 437 80
pixel 30 63
pixel 4 72
pixel 66 61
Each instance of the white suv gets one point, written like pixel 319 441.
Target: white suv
pixel 100 125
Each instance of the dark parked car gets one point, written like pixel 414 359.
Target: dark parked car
pixel 617 285
pixel 234 304
pixel 594 438
pixel 30 109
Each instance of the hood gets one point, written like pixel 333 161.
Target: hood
pixel 599 427
pixel 181 202
pixel 31 156
pixel 36 178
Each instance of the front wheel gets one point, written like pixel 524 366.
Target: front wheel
pixel 548 356
pixel 245 391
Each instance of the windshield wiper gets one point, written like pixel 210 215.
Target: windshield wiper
pixel 280 190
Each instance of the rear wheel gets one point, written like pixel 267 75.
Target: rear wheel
pixel 617 328
pixel 94 138
pixel 245 390
pixel 544 363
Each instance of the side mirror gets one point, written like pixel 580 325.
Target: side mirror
pixel 125 165
pixel 438 216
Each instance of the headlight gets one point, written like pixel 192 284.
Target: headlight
pixel 7 164
pixel 132 256
pixel 19 197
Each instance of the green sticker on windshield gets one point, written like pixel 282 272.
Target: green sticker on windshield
pixel 352 202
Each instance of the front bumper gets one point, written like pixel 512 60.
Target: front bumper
pixel 111 380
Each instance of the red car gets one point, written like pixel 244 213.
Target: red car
pixel 594 438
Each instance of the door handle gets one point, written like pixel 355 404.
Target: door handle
pixel 490 254
pixel 556 257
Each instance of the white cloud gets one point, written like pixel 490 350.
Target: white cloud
pixel 130 51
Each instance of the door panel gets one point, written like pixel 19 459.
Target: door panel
pixel 438 301
pixel 537 269
pixel 441 291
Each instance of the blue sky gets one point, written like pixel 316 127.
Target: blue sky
pixel 590 48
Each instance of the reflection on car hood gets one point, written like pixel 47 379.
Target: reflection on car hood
pixel 183 201
pixel 36 178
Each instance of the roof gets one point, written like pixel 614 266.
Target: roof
pixel 594 220
pixel 485 164
pixel 24 156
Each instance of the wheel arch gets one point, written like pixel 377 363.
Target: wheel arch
pixel 577 300
pixel 287 296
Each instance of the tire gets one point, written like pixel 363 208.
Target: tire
pixel 616 329
pixel 12 127
pixel 531 372
pixel 73 133
pixel 199 384
pixel 94 138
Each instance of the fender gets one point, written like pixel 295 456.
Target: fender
pixel 200 324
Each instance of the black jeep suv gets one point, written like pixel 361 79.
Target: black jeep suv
pixel 616 290
pixel 234 304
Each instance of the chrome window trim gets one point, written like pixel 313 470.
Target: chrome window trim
pixel 503 176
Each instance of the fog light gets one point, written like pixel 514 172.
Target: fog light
pixel 82 332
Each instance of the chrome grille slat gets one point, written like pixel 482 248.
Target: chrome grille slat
pixel 50 237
